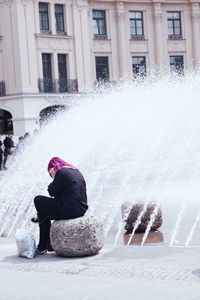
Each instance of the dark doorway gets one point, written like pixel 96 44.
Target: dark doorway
pixel 6 124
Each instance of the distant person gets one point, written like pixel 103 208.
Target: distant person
pixel 35 132
pixel 8 148
pixel 20 145
pixel 27 135
pixel 68 199
pixel 27 138
pixel 1 154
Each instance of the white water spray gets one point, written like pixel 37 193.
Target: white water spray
pixel 177 225
pixel 191 233
pixel 151 221
pixel 130 141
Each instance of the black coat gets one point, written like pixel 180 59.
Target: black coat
pixel 69 191
pixel 8 144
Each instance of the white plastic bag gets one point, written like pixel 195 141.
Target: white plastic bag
pixel 26 244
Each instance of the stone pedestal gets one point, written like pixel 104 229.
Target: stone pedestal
pixel 77 237
pixel 153 237
pixel 131 215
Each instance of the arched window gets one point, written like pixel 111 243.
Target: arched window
pixel 50 112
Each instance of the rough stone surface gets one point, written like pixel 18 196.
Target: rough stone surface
pixel 77 237
pixel 131 212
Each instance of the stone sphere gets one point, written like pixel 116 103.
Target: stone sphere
pixel 77 237
pixel 133 211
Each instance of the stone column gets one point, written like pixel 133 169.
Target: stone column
pixel 69 29
pixel 78 45
pixel 68 19
pixel 52 21
pixel 123 66
pixel 196 34
pixel 40 65
pixel 82 45
pixel 37 19
pixel 19 49
pixel 55 66
pixel 86 41
pixel 158 35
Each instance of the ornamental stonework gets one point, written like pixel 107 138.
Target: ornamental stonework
pixel 195 13
pixel 176 46
pixel 120 11
pixel 157 12
pixel 102 46
pixel 54 43
pixel 138 46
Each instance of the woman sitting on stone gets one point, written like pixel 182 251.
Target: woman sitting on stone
pixel 68 199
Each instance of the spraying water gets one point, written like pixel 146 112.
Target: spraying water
pixel 136 139
pixel 190 235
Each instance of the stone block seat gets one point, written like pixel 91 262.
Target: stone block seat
pixel 77 237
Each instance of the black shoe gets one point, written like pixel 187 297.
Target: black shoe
pixel 49 248
pixel 35 219
pixel 40 250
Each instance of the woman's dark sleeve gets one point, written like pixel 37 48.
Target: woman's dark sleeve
pixel 56 187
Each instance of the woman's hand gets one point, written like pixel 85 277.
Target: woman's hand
pixel 52 173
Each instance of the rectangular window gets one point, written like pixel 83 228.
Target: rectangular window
pixel 62 71
pixel 44 17
pixel 139 65
pixel 99 24
pixel 102 69
pixel 174 25
pixel 47 72
pixel 136 24
pixel 176 64
pixel 59 15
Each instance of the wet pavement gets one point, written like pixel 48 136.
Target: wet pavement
pixel 120 272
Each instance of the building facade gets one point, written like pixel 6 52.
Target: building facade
pixel 51 49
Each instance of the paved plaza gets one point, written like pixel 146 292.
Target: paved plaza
pixel 134 272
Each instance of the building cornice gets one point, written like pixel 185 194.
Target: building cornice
pixel 54 36
pixel 82 3
pixel 146 1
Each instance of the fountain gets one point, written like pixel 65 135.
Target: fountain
pixel 132 140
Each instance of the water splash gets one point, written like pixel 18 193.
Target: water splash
pixel 151 221
pixel 177 225
pixel 131 141
pixel 191 233
pixel 138 221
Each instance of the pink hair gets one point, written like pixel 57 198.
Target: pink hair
pixel 57 163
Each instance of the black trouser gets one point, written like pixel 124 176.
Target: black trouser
pixel 47 210
pixel 5 158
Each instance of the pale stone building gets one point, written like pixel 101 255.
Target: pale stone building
pixel 51 49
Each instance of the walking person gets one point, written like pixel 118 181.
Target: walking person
pixel 68 199
pixel 8 145
pixel 20 145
